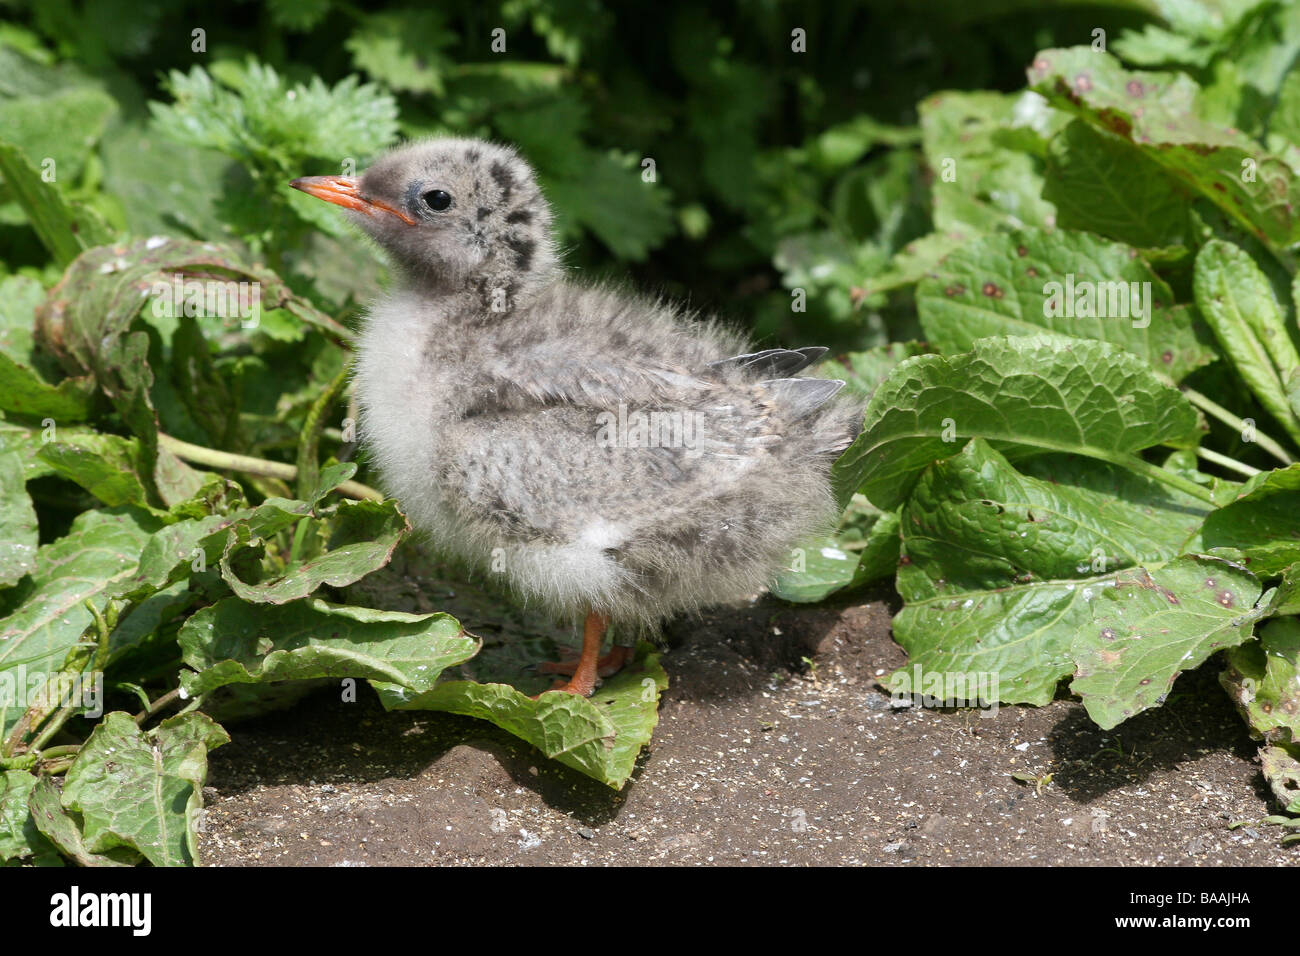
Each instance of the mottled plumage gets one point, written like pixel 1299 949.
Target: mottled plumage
pixel 500 401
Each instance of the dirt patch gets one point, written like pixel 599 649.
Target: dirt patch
pixel 775 746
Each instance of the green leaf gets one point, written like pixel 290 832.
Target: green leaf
pixel 1156 113
pixel 143 790
pixel 19 837
pixel 63 832
pixel 1263 522
pixel 1002 572
pixel 18 528
pixel 403 49
pixel 1237 302
pixel 95 557
pixel 600 736
pixel 362 536
pixel 254 115
pixel 1151 626
pixel 1073 283
pixel 864 549
pixel 64 228
pixel 105 465
pixel 1263 679
pixel 1104 184
pixel 232 641
pixel 979 184
pixel 1026 395
pixel 59 129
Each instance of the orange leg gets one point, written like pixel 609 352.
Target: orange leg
pixel 589 664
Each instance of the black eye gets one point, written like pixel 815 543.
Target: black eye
pixel 437 199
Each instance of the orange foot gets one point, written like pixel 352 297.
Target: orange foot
pixel 584 669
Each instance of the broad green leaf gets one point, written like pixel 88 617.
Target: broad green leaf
pixel 362 536
pixel 600 736
pixel 19 838
pixel 1073 283
pixel 64 228
pixel 1263 679
pixel 23 391
pixel 232 641
pixel 1104 184
pixel 18 529
pixel 864 549
pixel 1237 302
pixel 403 49
pixel 1153 625
pixel 57 130
pixel 1037 394
pixel 1263 522
pixel 1157 113
pixel 64 833
pixel 979 184
pixel 143 790
pixel 105 465
pixel 97 556
pixel 818 569
pixel 914 261
pixel 1001 572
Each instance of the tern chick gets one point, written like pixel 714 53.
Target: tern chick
pixel 609 456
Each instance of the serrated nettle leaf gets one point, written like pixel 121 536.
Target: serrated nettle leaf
pixel 1000 571
pixel 1237 302
pixel 361 538
pixel 235 642
pixel 1263 679
pixel 1263 522
pixel 18 527
pixel 253 114
pixel 1026 395
pixel 143 790
pixel 1073 283
pixel 600 736
pixel 1157 113
pixel 1104 184
pixel 980 185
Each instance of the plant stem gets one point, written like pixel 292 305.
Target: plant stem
pixel 170 697
pixel 1216 410
pixel 308 463
pixel 1224 461
pixel 253 466
pixel 1156 473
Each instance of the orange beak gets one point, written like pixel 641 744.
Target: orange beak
pixel 345 191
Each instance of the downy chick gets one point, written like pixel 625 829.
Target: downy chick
pixel 614 459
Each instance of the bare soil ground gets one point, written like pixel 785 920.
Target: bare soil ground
pixel 759 758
